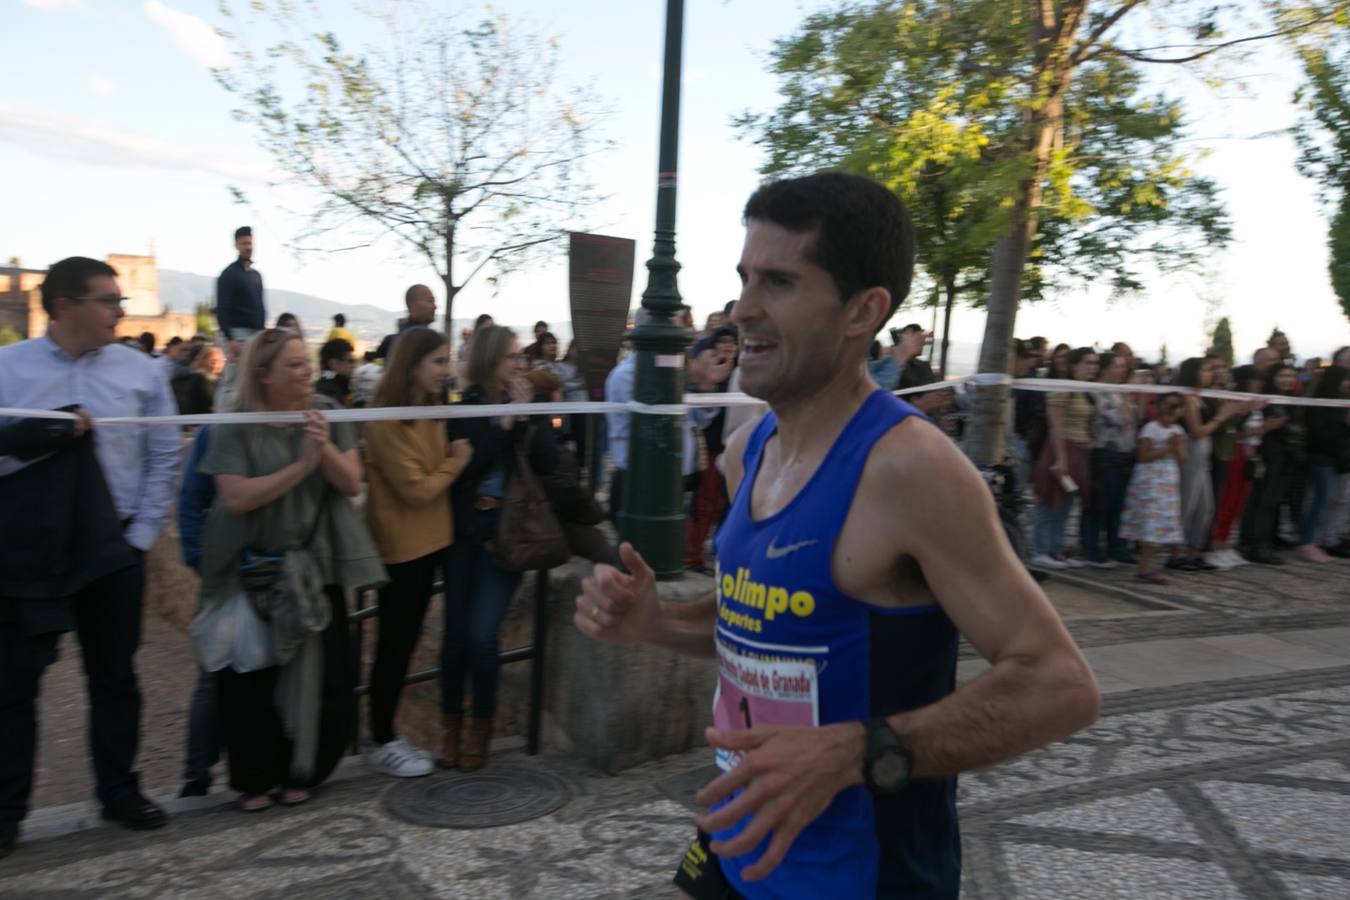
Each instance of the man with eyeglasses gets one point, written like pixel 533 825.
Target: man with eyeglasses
pixel 79 507
pixel 240 310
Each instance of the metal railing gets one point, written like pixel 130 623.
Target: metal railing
pixel 534 652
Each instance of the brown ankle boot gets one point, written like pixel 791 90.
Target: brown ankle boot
pixel 450 728
pixel 475 753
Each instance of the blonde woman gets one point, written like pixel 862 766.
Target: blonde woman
pixel 282 501
pixel 410 466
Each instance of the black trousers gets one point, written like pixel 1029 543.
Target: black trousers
pixel 403 606
pixel 255 738
pixel 1261 519
pixel 616 495
pixel 108 622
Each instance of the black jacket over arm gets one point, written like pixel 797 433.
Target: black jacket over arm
pixel 59 530
pixel 493 444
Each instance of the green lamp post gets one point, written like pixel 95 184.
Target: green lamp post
pixel 652 515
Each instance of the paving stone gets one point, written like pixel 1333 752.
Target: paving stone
pixel 1166 662
pixel 1320 769
pixel 1151 814
pixel 1273 650
pixel 1315 887
pixel 1054 873
pixel 1294 821
pixel 1335 641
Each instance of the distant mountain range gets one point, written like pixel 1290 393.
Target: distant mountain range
pixel 182 291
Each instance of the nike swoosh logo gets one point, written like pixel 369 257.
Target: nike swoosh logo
pixel 773 552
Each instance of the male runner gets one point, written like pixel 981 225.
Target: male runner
pixel 859 543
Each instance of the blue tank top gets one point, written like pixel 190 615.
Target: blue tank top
pixel 793 649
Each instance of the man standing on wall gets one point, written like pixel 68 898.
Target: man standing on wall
pixel 240 310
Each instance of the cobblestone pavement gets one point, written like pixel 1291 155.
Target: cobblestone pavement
pixel 1232 782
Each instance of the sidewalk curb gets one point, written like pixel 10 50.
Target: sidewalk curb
pixel 72 818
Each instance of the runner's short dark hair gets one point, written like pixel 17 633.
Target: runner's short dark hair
pixel 245 231
pixel 70 278
pixel 864 237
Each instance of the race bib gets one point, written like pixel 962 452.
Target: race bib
pixel 753 691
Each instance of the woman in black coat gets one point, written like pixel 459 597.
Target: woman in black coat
pixel 1282 453
pixel 478 591
pixel 1328 459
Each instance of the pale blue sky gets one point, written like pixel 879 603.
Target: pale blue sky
pixel 114 138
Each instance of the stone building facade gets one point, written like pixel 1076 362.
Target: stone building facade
pixel 21 303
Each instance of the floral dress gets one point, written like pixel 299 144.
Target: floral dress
pixel 1153 502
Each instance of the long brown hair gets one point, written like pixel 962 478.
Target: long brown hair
pixel 489 348
pixel 396 387
pixel 259 354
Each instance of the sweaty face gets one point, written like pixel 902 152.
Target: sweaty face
pixel 789 314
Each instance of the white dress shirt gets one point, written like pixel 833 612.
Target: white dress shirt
pixel 140 462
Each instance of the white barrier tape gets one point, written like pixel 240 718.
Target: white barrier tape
pixel 407 413
pixel 1062 386
pixel 989 379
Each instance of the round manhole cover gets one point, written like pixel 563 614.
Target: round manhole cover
pixel 502 794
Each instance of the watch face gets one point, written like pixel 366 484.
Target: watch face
pixel 890 770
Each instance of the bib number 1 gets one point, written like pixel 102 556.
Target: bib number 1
pixel 753 692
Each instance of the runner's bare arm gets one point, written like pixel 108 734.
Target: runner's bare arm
pixel 624 608
pixel 1039 687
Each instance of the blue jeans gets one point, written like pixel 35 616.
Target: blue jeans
pixel 477 595
pixel 1022 454
pixel 1049 528
pixel 1102 511
pixel 1320 491
pixel 203 740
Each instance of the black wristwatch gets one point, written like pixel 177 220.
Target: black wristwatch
pixel 887 766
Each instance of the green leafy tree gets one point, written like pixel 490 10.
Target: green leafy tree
pixel 1340 252
pixel 1032 115
pixel 1323 138
pixel 462 144
pixel 206 320
pixel 9 335
pixel 1222 343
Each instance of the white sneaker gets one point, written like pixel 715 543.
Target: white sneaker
pixel 1236 559
pixel 1073 562
pixel 1219 559
pixel 1104 564
pixel 397 758
pixel 1045 561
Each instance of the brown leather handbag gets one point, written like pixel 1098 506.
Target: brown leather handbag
pixel 529 536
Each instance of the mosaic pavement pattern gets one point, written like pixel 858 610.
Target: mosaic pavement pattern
pixel 1236 788
pixel 1226 790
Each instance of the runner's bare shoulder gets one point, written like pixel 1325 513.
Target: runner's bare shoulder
pixel 916 476
pixel 734 455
